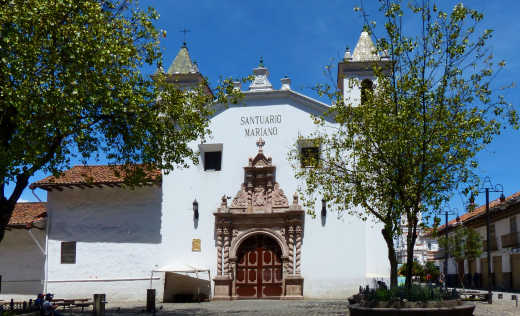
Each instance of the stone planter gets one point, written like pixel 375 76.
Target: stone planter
pixel 462 310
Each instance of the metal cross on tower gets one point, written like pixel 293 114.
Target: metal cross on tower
pixel 184 31
pixel 260 143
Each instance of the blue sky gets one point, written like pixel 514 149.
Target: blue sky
pixel 298 38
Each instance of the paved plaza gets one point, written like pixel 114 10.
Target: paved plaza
pixel 268 307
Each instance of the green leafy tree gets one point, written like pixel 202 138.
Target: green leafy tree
pixel 71 87
pixel 414 139
pixel 432 270
pixel 462 244
pixel 417 269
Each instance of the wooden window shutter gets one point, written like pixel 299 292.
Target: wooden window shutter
pixel 68 252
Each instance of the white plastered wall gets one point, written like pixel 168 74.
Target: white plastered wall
pixel 22 263
pixel 118 242
pixel 122 235
pixel 334 255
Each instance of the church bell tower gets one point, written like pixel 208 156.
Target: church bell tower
pixel 355 72
pixel 184 73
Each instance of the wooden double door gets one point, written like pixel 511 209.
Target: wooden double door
pixel 259 269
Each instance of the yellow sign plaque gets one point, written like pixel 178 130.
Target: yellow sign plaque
pixel 195 244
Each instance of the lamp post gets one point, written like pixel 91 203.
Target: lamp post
pixel 487 187
pixel 446 249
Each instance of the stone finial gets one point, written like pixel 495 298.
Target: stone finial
pixel 347 56
pixel 224 201
pixel 260 143
pixel 261 79
pixel 295 199
pixel 195 67
pixel 385 55
pixel 286 83
pixel 237 86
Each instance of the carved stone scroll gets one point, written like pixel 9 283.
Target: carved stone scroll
pixel 278 197
pixel 259 197
pixel 241 199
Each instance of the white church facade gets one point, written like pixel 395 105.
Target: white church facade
pixel 228 228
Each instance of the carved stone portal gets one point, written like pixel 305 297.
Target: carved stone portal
pixel 259 238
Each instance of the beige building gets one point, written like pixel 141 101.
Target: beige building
pixel 504 247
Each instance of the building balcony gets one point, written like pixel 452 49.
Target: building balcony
pixel 510 240
pixel 439 254
pixel 492 246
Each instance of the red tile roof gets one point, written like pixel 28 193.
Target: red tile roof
pixel 481 210
pixel 25 214
pixel 91 175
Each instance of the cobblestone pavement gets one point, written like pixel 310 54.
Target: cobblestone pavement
pixel 504 307
pixel 498 308
pixel 242 307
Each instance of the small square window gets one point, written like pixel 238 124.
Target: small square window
pixel 213 160
pixel 68 252
pixel 309 156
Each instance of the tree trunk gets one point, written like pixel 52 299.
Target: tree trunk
pixel 6 211
pixel 387 234
pixel 411 237
pixel 7 205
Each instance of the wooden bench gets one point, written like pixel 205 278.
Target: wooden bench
pixel 76 302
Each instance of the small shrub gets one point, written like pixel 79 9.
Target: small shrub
pixel 416 294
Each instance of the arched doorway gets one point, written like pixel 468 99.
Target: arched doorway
pixel 259 268
pixel 259 238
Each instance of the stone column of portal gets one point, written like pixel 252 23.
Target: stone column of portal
pixel 219 251
pixel 226 251
pixel 298 233
pixel 291 250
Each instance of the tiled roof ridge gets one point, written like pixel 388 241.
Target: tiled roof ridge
pixel 25 214
pixel 481 209
pixel 92 175
pixel 31 202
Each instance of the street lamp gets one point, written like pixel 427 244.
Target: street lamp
pixel 446 248
pixel 487 187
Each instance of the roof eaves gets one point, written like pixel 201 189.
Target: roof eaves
pixel 306 100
